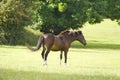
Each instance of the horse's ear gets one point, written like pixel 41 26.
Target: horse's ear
pixel 70 33
pixel 74 33
pixel 80 32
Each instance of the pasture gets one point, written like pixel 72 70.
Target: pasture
pixel 99 60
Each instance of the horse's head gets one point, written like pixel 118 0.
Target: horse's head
pixel 74 35
pixel 78 35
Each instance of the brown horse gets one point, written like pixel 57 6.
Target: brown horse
pixel 60 42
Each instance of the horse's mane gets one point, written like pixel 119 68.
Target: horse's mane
pixel 64 32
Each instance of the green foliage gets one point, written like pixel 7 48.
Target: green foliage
pixel 14 15
pixel 62 7
pixel 114 10
pixel 55 16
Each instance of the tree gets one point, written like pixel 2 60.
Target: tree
pixel 14 15
pixel 57 15
pixel 114 10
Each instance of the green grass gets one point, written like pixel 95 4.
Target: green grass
pixel 99 60
pixel 18 63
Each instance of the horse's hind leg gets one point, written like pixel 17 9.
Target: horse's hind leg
pixel 42 54
pixel 45 57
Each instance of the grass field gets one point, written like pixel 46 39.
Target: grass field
pixel 99 60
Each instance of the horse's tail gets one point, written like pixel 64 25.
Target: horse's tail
pixel 40 42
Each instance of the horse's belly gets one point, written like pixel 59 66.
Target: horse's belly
pixel 57 45
pixel 56 48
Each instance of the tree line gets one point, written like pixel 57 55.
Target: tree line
pixel 51 16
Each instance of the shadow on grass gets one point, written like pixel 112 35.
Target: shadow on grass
pixel 6 74
pixel 96 46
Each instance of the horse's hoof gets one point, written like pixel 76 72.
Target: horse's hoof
pixel 44 63
pixel 65 64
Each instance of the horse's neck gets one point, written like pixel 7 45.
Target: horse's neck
pixel 71 40
pixel 68 39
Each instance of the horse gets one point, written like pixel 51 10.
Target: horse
pixel 60 42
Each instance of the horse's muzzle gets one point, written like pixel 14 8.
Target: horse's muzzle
pixel 85 44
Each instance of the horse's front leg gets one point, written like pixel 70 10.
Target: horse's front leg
pixel 61 57
pixel 65 55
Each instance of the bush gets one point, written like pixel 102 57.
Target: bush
pixel 2 39
pixel 31 36
pixel 27 35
